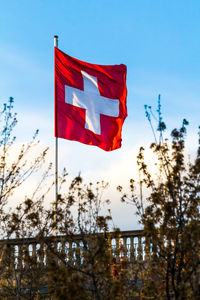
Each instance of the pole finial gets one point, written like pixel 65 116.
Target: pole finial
pixel 55 40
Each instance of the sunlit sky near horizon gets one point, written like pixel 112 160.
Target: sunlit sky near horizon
pixel 157 40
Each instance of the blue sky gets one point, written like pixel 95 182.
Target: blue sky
pixel 157 40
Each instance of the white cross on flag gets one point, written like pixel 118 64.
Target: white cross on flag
pixel 90 101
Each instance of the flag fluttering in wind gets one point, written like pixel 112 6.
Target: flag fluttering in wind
pixel 90 101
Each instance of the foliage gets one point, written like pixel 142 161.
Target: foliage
pixel 14 173
pixel 170 217
pixel 67 253
pixel 83 263
pixel 19 272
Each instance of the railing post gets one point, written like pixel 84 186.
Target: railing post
pixel 41 253
pixel 147 249
pixel 63 249
pixel 117 249
pixel 125 250
pixel 34 255
pixel 70 253
pixel 78 253
pixel 132 250
pixel 154 249
pixel 26 255
pixel 19 257
pixel 139 249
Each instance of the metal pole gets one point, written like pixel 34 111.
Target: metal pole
pixel 56 150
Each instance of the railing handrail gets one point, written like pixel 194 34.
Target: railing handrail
pixel 78 237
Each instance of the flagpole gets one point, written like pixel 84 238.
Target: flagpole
pixel 56 151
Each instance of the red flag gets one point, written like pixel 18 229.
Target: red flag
pixel 90 101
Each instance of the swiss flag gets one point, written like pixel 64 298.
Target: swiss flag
pixel 90 101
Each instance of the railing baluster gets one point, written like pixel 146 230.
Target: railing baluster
pixel 139 249
pixel 132 250
pixel 70 254
pixel 41 253
pixel 125 250
pixel 20 257
pixel 147 249
pixel 117 250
